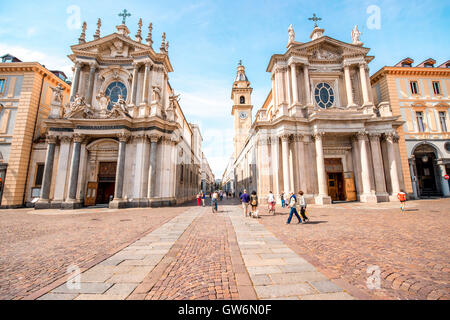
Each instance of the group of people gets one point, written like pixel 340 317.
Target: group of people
pixel 215 197
pixel 296 203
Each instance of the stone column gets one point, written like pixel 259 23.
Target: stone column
pixel 368 195
pixel 288 87
pixel 91 83
pixel 390 140
pixel 76 80
pixel 364 86
pixel 285 156
pixel 118 191
pixel 348 87
pixel 71 202
pixel 302 159
pixel 141 162
pixel 61 173
pixel 322 197
pixel 378 169
pixel 444 183
pixel 411 162
pixel 47 177
pixel 307 88
pixel 152 167
pixel 134 83
pixel 294 83
pixel 274 91
pixel 146 84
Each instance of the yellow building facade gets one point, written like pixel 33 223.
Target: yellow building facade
pixel 421 96
pixel 25 97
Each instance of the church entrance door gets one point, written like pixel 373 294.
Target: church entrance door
pixel 335 170
pixel 91 194
pixel 106 182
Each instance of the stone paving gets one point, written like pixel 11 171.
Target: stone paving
pixel 116 277
pixel 192 253
pixel 411 249
pixel 276 271
pixel 37 247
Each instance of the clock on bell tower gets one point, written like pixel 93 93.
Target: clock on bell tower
pixel 242 108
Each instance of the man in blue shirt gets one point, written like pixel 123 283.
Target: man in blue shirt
pixel 245 199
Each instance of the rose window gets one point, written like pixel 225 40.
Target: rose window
pixel 324 95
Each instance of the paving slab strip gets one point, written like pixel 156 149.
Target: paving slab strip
pixel 276 271
pixel 118 276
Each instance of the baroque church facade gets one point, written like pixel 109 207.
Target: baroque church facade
pixel 318 130
pixel 123 139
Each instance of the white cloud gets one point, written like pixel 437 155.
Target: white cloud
pixel 29 55
pixel 31 31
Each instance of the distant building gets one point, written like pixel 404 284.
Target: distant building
pixel 207 176
pixel 26 92
pixel 421 96
pixel 228 178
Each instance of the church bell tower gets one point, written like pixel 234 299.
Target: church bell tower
pixel 242 108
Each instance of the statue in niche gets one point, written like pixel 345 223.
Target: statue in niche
pixel 156 95
pixel 57 94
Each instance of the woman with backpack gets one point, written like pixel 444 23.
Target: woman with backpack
pixel 254 204
pixel 302 206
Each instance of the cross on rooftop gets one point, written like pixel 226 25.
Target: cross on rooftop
pixel 124 14
pixel 315 19
pixel 240 62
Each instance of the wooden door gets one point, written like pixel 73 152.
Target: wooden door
pixel 333 189
pixel 91 194
pixel 349 186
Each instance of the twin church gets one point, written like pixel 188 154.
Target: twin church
pixel 122 139
pixel 318 130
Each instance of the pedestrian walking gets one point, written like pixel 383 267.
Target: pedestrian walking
pixel 292 204
pixel 254 204
pixel 199 198
pixel 302 206
pixel 245 199
pixel 282 199
pixel 203 198
pixel 271 201
pixel 214 199
pixel 401 196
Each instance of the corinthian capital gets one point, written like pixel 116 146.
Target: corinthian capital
pixel 285 137
pixel 78 137
pixel 51 139
pixel 361 135
pixel 391 136
pixel 318 135
pixel 123 137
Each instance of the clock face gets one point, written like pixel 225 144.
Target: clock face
pixel 243 115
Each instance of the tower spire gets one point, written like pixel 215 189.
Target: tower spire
pixel 97 32
pixel 149 36
pixel 138 34
pixel 163 42
pixel 82 38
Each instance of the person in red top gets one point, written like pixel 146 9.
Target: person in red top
pixel 402 197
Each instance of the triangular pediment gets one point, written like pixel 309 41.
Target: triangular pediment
pixel 329 47
pixel 112 46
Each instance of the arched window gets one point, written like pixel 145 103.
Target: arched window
pixel 113 91
pixel 242 100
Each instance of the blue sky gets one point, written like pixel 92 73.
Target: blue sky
pixel 208 38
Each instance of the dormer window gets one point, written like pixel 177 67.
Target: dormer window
pixel 429 65
pixel 405 64
pixel 242 100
